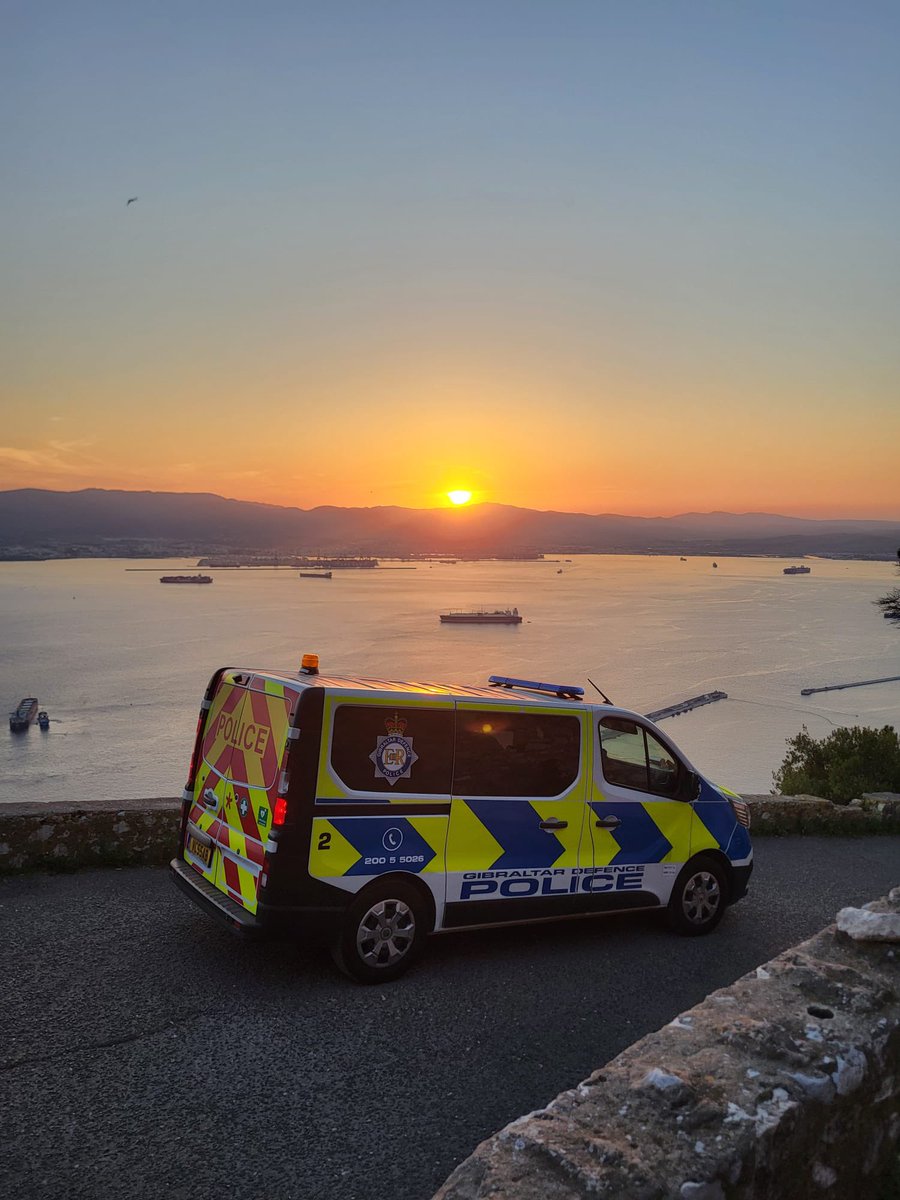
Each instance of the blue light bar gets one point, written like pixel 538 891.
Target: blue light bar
pixel 557 689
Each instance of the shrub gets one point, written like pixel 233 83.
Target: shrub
pixel 842 765
pixel 890 605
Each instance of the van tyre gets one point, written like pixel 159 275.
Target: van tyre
pixel 383 933
pixel 699 898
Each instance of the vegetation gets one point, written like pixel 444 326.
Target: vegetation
pixel 890 604
pixel 842 765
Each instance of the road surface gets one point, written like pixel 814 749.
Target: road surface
pixel 145 1052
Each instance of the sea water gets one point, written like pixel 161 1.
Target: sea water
pixel 121 661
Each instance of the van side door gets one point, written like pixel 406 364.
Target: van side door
pixel 516 841
pixel 641 814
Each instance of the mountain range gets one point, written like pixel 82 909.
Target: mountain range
pixel 33 519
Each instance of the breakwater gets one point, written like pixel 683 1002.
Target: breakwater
pixel 839 687
pixel 685 706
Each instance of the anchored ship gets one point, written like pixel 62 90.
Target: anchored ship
pixel 185 579
pixel 482 616
pixel 24 714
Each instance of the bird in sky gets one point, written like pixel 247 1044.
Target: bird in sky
pixel 131 201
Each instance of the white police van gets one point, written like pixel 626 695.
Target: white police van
pixel 371 813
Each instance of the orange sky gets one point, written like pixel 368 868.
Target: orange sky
pixel 615 258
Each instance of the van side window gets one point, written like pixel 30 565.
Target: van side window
pixel 515 754
pixel 631 757
pixel 396 749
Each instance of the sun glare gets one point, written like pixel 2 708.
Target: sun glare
pixel 459 497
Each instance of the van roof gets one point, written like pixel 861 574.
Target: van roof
pixel 359 683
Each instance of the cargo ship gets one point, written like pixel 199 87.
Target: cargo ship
pixel 482 616
pixel 24 714
pixel 315 574
pixel 796 570
pixel 185 579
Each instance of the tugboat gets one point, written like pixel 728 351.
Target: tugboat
pixel 24 714
pixel 44 719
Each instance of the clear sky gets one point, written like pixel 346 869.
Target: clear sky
pixel 636 256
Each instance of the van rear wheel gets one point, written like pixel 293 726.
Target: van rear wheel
pixel 382 934
pixel 699 898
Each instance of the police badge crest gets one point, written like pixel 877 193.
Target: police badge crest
pixel 393 755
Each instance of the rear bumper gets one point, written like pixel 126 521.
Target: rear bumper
pixel 740 882
pixel 313 924
pixel 212 901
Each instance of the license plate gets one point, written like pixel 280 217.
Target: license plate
pixel 201 850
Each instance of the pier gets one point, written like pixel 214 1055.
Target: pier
pixel 684 706
pixel 838 687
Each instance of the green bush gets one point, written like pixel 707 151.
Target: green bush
pixel 841 766
pixel 890 605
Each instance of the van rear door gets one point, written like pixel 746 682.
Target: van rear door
pixel 212 779
pixel 257 736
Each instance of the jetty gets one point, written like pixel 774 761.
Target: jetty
pixel 838 687
pixel 684 706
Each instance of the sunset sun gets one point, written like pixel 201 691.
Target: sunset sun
pixel 459 497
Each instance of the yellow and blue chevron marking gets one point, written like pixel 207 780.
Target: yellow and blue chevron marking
pixel 721 826
pixel 639 838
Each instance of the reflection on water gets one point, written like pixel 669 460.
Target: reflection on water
pixel 120 662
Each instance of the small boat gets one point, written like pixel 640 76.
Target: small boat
pixel 796 570
pixel 24 714
pixel 482 616
pixel 715 564
pixel 44 719
pixel 315 574
pixel 185 579
pixel 682 559
pixel 559 571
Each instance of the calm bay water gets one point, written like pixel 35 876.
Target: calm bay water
pixel 120 661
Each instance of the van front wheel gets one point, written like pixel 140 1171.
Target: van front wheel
pixel 698 899
pixel 382 934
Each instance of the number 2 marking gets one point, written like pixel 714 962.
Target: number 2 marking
pixel 324 841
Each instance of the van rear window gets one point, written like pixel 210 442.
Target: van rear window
pixel 515 754
pixel 397 750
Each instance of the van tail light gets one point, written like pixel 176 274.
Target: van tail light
pixel 741 811
pixel 279 816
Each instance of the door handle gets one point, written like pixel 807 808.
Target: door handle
pixel 608 823
pixel 554 823
pixel 210 799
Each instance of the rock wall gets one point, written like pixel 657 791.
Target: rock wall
pixel 66 836
pixel 876 812
pixel 144 832
pixel 784 1086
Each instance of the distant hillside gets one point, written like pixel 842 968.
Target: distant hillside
pixel 34 519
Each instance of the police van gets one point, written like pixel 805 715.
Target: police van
pixel 371 813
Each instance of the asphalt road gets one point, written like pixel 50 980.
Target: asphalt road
pixel 145 1052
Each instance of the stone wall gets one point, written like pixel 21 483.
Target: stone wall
pixel 144 832
pixel 94 833
pixel 875 812
pixel 785 1085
